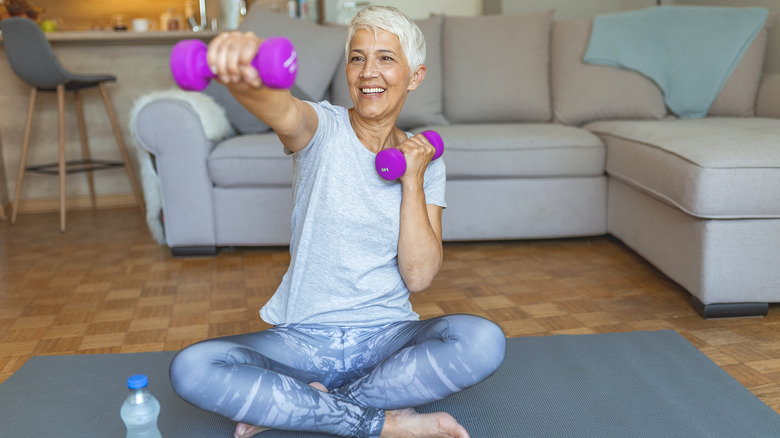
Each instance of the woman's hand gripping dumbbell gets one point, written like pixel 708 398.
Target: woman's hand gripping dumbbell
pixel 391 164
pixel 276 63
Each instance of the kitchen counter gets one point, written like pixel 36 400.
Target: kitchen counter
pixel 139 60
pixel 119 37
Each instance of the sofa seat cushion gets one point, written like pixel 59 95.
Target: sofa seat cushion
pixel 713 168
pixel 250 160
pixel 512 150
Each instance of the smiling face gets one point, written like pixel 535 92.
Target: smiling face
pixel 379 75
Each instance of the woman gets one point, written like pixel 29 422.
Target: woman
pixel 347 354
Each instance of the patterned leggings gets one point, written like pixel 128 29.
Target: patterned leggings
pixel 263 378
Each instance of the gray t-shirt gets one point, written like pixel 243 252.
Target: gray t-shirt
pixel 345 229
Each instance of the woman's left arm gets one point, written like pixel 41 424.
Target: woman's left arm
pixel 420 251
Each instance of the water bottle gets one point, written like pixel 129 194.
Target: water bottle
pixel 140 410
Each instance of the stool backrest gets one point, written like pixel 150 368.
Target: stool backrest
pixel 30 54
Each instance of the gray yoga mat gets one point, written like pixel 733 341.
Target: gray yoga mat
pixel 641 384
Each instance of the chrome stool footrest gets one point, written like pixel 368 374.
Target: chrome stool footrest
pixel 75 166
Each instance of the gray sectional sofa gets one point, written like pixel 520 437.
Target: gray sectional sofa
pixel 538 144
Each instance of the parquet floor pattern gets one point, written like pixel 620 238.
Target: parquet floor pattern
pixel 106 287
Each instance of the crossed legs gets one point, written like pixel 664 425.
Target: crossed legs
pixel 371 374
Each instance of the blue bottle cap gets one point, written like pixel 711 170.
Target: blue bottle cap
pixel 137 381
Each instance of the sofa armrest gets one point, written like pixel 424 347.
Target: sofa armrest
pixel 180 136
pixel 768 99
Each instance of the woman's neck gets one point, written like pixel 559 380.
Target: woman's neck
pixel 375 136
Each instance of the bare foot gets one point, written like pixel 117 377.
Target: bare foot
pixel 319 386
pixel 406 423
pixel 244 430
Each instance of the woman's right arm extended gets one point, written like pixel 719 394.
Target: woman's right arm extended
pixel 230 56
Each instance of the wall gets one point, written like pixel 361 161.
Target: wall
pixel 422 9
pixel 565 9
pixel 415 9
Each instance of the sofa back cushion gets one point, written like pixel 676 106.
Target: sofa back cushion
pixel 738 95
pixel 318 47
pixel 319 50
pixel 768 99
pixel 584 92
pixel 496 68
pixel 239 117
pixel 423 106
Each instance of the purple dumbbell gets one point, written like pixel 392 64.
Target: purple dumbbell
pixel 391 164
pixel 276 63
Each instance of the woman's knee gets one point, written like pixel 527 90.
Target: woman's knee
pixel 182 367
pixel 192 367
pixel 479 337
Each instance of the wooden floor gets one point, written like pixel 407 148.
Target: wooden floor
pixel 106 287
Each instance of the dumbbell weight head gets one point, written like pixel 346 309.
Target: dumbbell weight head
pixel 276 63
pixel 391 163
pixel 189 66
pixel 435 139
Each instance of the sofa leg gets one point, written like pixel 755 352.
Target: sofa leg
pixel 193 251
pixel 729 310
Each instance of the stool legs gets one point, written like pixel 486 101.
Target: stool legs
pixel 23 157
pixel 62 169
pixel 84 145
pixel 122 149
pixel 62 164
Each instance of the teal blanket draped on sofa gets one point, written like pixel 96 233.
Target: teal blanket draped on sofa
pixel 688 51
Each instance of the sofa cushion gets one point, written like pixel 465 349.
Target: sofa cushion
pixel 423 106
pixel 738 95
pixel 250 160
pixel 496 68
pixel 319 50
pixel 585 92
pixel 531 150
pixel 713 168
pixel 768 100
pixel 239 117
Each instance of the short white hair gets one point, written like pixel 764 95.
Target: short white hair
pixel 391 20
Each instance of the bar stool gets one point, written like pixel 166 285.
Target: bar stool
pixel 32 59
pixel 4 202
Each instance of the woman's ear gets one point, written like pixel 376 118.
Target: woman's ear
pixel 417 77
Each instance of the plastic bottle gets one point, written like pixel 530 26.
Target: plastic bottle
pixel 140 410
